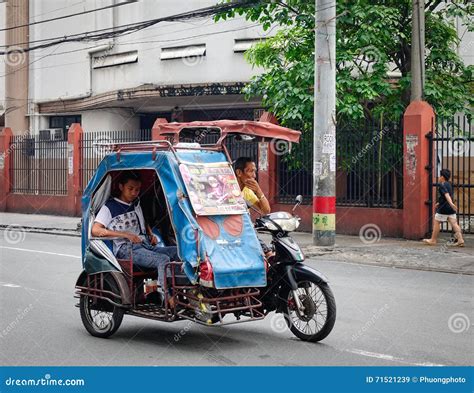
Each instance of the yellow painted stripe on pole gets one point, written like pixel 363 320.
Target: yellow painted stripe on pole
pixel 324 222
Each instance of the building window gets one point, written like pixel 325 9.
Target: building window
pixel 242 45
pixel 114 60
pixel 63 122
pixel 182 52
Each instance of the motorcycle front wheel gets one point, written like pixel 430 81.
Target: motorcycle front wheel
pixel 317 317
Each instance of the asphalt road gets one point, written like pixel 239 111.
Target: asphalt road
pixel 386 316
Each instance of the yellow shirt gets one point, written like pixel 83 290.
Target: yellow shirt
pixel 249 196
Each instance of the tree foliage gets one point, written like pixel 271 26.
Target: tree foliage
pixel 373 44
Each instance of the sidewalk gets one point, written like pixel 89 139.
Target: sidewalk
pixel 388 252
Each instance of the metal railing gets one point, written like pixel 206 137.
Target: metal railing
pixel 453 149
pixel 92 154
pixel 369 161
pixel 38 166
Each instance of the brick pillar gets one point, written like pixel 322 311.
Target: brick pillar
pixel 417 123
pixel 268 163
pixel 74 163
pixel 5 156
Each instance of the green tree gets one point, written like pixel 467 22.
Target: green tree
pixel 373 43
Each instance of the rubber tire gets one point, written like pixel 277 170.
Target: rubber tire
pixel 117 312
pixel 330 319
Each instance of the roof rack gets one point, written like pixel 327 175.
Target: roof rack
pixel 155 146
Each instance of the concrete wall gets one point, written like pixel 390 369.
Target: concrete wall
pixel 110 119
pixel 466 46
pixel 58 74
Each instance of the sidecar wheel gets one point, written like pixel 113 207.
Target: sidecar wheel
pixel 101 319
pixel 319 316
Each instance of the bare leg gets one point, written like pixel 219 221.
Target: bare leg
pixel 434 234
pixel 436 229
pixel 456 229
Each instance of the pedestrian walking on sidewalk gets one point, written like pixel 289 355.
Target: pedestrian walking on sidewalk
pixel 445 211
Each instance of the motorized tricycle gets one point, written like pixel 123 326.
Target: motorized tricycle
pixel 190 195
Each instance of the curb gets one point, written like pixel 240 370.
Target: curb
pixel 312 252
pixel 49 231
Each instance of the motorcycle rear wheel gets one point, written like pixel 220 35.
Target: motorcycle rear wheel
pixel 101 319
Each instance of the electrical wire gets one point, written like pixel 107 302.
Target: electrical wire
pixel 126 43
pixel 112 32
pixel 70 15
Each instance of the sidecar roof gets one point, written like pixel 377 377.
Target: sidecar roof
pixel 260 129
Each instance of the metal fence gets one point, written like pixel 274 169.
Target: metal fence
pixel 453 148
pixel 38 166
pixel 92 153
pixel 369 161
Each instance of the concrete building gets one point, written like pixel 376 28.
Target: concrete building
pixel 186 70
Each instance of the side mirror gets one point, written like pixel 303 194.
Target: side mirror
pixel 299 201
pixel 244 138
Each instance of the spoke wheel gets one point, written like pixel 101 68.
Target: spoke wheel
pixel 317 319
pixel 100 318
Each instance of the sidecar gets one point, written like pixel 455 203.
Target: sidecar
pixel 191 198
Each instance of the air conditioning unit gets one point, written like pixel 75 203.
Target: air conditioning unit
pixel 57 134
pixel 51 134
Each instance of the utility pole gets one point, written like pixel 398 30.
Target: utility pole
pixel 417 64
pixel 324 163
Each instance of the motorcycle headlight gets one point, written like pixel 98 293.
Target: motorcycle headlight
pixel 288 224
pixel 271 226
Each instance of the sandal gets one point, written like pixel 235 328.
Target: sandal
pixel 455 244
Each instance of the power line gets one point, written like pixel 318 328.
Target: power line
pixel 111 32
pixel 125 43
pixel 56 9
pixel 70 15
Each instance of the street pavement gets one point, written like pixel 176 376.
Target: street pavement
pixel 369 248
pixel 385 316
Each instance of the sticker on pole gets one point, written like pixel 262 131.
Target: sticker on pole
pixel 329 144
pixel 318 168
pixel 263 156
pixel 332 163
pixel 70 158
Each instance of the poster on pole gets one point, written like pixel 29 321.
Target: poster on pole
pixel 329 144
pixel 212 188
